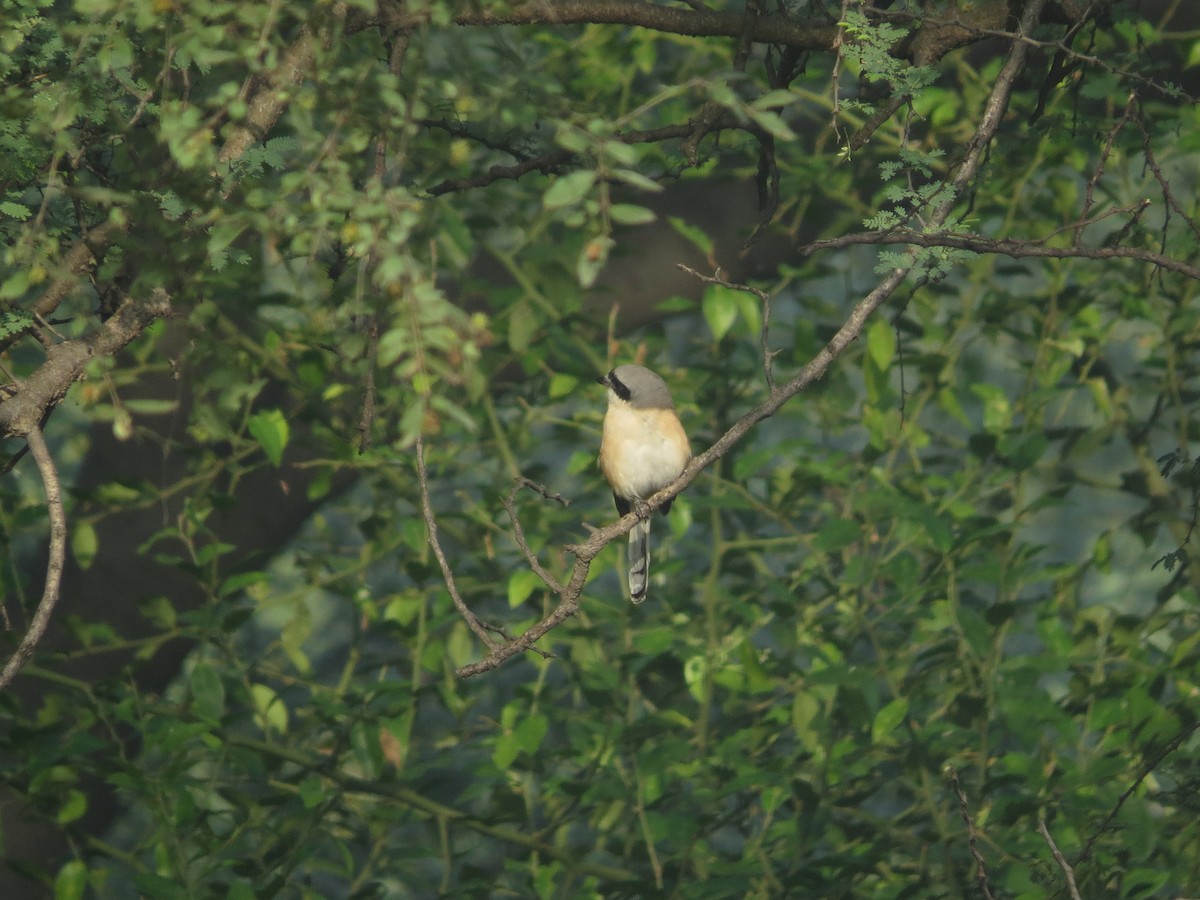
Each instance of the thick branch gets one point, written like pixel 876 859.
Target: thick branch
pixel 268 104
pixel 54 567
pixel 76 261
pixel 66 362
pixel 768 29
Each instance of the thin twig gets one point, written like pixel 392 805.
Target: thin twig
pixel 1098 173
pixel 476 626
pixel 1060 859
pixel 562 501
pixel 1178 741
pixel 639 793
pixel 964 810
pixel 768 354
pixel 519 534
pixel 1033 248
pixel 58 555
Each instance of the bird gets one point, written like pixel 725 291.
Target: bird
pixel 643 448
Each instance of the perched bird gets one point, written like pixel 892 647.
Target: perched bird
pixel 643 449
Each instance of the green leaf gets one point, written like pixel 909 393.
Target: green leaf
pixel 270 428
pixel 531 731
pixel 294 635
pixel 720 308
pixel 698 237
pixel 522 326
pixel 887 720
pixel 836 534
pixel 84 543
pixel 997 411
pixel 15 210
pixel 312 792
pixel 629 214
pixel 73 808
pixel 506 751
pixel 208 692
pixel 592 259
pixel 15 285
pixel 562 385
pixel 271 713
pixel 71 881
pixel 568 190
pixel 635 179
pixel 881 343
pixel 521 584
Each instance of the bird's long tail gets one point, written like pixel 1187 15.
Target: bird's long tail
pixel 639 560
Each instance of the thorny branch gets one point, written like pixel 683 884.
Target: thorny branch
pixel 852 327
pixel 964 810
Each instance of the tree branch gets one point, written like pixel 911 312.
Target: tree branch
pixel 1060 859
pixel 65 363
pixel 1178 741
pixel 554 159
pixel 472 620
pixel 964 810
pixel 519 532
pixel 269 102
pixel 764 29
pixel 586 552
pixel 54 567
pixel 764 336
pixel 389 790
pixel 1005 247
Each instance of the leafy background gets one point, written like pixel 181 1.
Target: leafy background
pixel 940 601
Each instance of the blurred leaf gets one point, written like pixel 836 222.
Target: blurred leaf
pixel 208 693
pixel 71 881
pixel 569 189
pixel 270 428
pixel 84 544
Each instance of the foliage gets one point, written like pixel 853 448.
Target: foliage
pixel 964 552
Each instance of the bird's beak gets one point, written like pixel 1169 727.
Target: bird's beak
pixel 603 379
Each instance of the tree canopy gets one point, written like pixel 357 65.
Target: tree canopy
pixel 311 585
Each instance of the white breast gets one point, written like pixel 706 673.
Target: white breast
pixel 642 450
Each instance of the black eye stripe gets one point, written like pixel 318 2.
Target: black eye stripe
pixel 618 386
